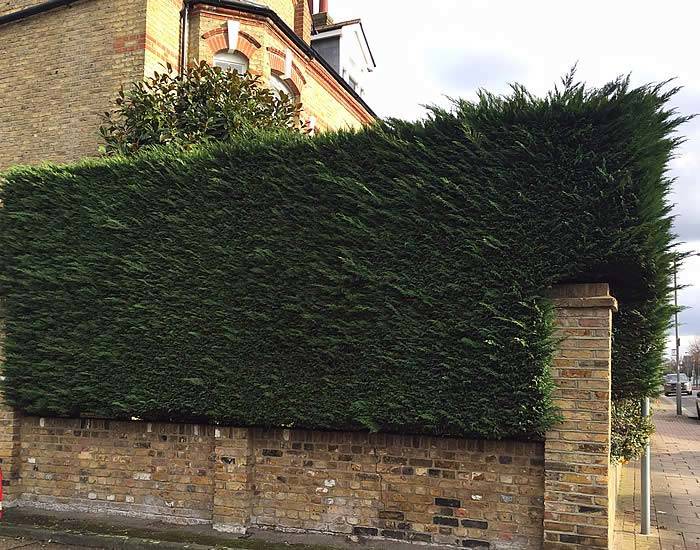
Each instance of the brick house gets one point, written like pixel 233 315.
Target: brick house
pixel 63 61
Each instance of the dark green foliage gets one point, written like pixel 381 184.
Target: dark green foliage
pixel 202 104
pixel 389 279
pixel 630 430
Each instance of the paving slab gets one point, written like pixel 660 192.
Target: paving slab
pixel 675 486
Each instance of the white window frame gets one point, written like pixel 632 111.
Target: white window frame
pixel 278 85
pixel 235 61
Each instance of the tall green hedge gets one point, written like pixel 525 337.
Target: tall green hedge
pixel 389 279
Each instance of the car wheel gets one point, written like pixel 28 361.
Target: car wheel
pixel 698 409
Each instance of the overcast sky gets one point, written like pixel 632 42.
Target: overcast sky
pixel 426 50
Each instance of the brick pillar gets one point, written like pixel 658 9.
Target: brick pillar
pixel 577 510
pixel 9 435
pixel 233 479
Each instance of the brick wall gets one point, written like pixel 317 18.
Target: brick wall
pixel 136 468
pixel 320 94
pixel 10 423
pixel 162 40
pixel 579 501
pixel 302 20
pixel 284 8
pixel 62 71
pixel 457 492
pixel 424 489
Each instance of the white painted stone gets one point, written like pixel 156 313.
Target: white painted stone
pixel 143 476
pixel 92 496
pixel 329 483
pixel 227 528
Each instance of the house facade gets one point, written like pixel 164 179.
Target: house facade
pixel 62 62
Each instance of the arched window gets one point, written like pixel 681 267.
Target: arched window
pixel 279 86
pixel 231 62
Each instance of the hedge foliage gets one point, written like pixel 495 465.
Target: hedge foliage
pixel 389 279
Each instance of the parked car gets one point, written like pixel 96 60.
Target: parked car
pixel 670 384
pixel 697 404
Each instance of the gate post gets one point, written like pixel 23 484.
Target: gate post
pixel 578 505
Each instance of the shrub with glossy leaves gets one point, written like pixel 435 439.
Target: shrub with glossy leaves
pixel 202 104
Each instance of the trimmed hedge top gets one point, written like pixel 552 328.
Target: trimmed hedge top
pixel 389 279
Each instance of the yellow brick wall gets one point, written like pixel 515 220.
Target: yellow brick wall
pixel 63 70
pixel 162 35
pixel 283 8
pixel 455 492
pixel 321 97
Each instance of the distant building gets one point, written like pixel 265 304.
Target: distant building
pixel 63 62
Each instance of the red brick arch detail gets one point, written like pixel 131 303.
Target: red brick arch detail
pixel 247 45
pixel 297 82
pixel 217 40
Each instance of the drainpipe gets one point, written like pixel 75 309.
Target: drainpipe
pixel 311 6
pixel 184 44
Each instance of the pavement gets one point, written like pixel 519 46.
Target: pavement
pixel 10 543
pixel 675 481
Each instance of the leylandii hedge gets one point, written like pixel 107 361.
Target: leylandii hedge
pixel 391 278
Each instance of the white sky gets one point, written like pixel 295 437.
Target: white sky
pixel 426 50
